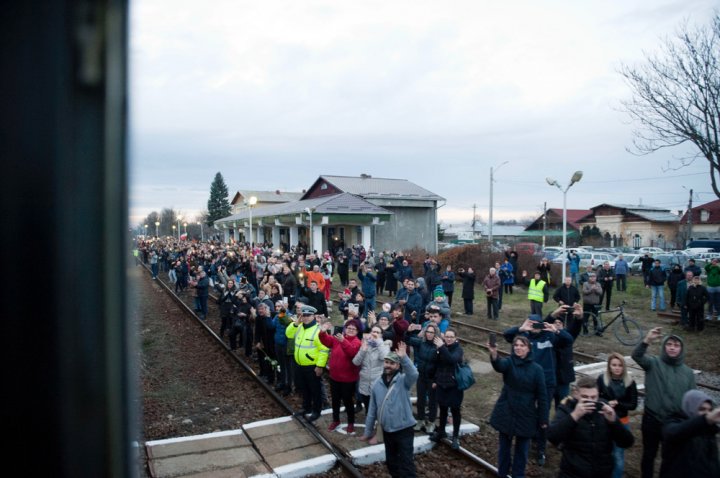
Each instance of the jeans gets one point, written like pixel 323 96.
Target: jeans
pixel 369 305
pixel 492 308
pixel 714 301
pixel 619 457
pixel 154 268
pixel 518 462
pixel 399 453
pixel 658 293
pixel 203 299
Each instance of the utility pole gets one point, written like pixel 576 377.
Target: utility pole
pixel 689 221
pixel 544 222
pixel 474 220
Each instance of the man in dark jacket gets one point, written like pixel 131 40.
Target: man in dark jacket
pixel 201 286
pixel 646 264
pixel 315 298
pixel 468 290
pixel 656 281
pixel 411 301
pixel 588 430
pixel 606 277
pixel 689 444
pixel 567 294
pixel 681 296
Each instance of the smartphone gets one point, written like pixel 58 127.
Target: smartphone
pixel 538 325
pixel 492 338
pixel 599 406
pixel 337 329
pixel 285 301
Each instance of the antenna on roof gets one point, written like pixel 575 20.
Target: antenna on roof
pixel 365 176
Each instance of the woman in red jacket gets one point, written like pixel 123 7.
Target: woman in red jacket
pixel 343 373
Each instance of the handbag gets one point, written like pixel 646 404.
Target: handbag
pixel 464 376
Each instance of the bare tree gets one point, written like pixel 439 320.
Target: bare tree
pixel 676 96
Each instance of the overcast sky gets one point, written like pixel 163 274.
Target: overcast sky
pixel 275 93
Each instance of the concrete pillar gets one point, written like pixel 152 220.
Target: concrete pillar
pixel 226 235
pixel 259 234
pixel 276 237
pixel 317 240
pixel 293 236
pixel 366 237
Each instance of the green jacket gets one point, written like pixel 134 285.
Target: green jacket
pixel 713 275
pixel 666 379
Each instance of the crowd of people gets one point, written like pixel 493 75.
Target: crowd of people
pixel 276 306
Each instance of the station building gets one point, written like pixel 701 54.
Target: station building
pixel 338 211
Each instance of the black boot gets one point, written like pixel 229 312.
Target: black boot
pixel 438 435
pixel 455 442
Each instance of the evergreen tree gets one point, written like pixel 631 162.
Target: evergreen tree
pixel 218 204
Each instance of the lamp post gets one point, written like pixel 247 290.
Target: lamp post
pixel 157 225
pixel 173 227
pixel 252 200
pixel 202 232
pixel 552 182
pixel 490 223
pixel 145 226
pixel 185 228
pixel 310 242
pixel 179 218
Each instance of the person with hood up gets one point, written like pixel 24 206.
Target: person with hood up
pixel 689 439
pixel 676 275
pixel 522 407
pixel 370 358
pixel 667 378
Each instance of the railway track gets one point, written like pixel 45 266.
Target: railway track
pixel 342 457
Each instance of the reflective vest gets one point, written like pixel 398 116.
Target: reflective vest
pixel 535 290
pixel 308 348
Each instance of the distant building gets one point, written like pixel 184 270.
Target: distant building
pixel 552 226
pixel 705 222
pixel 635 226
pixel 386 214
pixel 264 198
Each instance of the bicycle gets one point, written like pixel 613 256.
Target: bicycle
pixel 627 331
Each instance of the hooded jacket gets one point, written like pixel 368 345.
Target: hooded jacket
pixel 396 410
pixel 543 349
pixel 371 362
pixel 627 401
pixel 689 444
pixel 666 379
pixel 523 404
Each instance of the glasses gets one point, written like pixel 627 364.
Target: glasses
pixel 430 332
pixel 350 328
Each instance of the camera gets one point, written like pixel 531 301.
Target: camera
pixel 337 330
pixel 538 325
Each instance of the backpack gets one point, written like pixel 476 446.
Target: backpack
pixel 464 376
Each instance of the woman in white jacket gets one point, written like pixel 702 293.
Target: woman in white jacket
pixel 370 359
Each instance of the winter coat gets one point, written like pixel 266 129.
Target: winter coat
pixel 507 275
pixel 626 402
pixel 713 275
pixel 368 280
pixel 448 282
pixel 414 303
pixel 676 275
pixel 390 279
pixel 605 277
pixel 543 348
pixel 621 267
pixel 689 448
pixel 468 281
pixel 399 328
pixel 493 283
pixel 587 444
pixel 442 305
pixel 341 365
pixel 281 323
pixel 396 410
pixel 523 403
pixel 371 363
pixel 696 297
pixel 666 379
pixel 591 293
pixel 426 354
pixel 657 276
pixel 681 293
pixel 564 363
pixel 566 295
pixel 448 358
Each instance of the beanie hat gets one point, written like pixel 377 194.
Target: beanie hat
pixel 438 292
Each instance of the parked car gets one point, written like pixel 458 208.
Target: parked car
pixel 651 250
pixel 590 258
pixel 705 243
pixel 528 248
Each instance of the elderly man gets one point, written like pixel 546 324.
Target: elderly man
pixel 491 284
pixel 606 277
pixel 311 356
pixel 592 295
pixel 393 412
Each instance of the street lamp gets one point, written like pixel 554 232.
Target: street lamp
pixel 157 224
pixel 552 182
pixel 252 200
pixel 185 228
pixel 310 242
pixel 490 224
pixel 173 226
pixel 179 218
pixel 145 226
pixel 202 233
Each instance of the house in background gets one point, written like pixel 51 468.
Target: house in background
pixel 705 223
pixel 635 226
pixel 339 211
pixel 552 226
pixel 264 198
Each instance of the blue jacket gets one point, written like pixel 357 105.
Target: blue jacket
pixel 523 403
pixel 414 304
pixel 448 281
pixel 621 267
pixel 396 410
pixel 280 324
pixel 574 263
pixel 368 283
pixel 425 353
pixel 543 349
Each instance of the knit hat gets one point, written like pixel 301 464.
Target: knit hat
pixel 393 357
pixel 438 292
pixel 355 323
pixel 692 400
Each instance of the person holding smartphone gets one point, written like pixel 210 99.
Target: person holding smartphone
pixel 544 337
pixel 588 430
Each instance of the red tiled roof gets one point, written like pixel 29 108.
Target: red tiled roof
pixel 573 215
pixel 713 207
